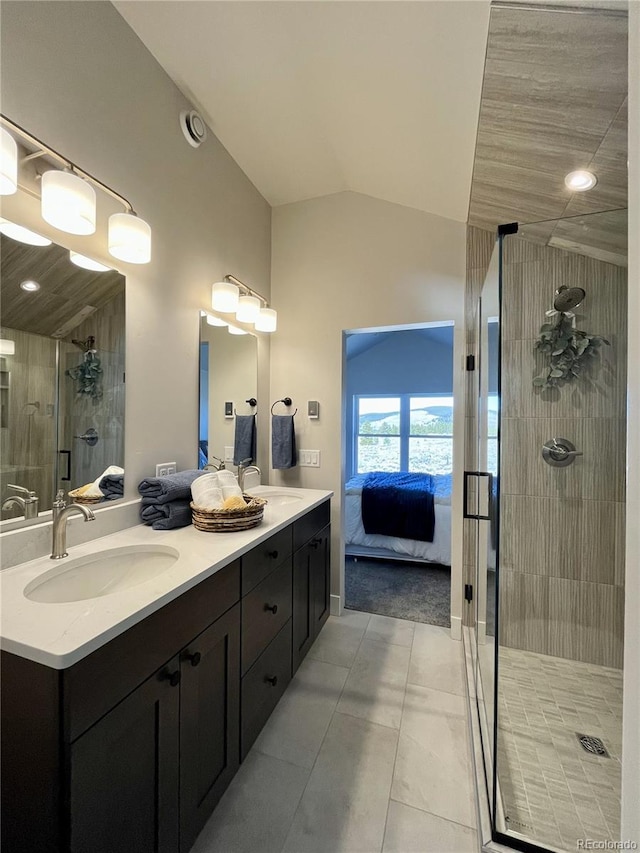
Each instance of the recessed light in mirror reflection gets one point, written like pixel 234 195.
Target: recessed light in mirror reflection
pixel 30 285
pixel 23 235
pixel 87 263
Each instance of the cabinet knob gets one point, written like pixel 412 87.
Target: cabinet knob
pixel 271 679
pixel 195 658
pixel 272 554
pixel 172 677
pixel 272 607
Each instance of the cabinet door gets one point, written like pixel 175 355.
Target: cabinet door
pixel 209 721
pixel 320 578
pixel 303 618
pixel 125 773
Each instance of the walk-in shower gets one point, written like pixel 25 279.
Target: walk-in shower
pixel 545 650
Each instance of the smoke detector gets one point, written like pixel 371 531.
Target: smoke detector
pixel 193 127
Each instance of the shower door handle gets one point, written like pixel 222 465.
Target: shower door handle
pixel 465 496
pixel 67 453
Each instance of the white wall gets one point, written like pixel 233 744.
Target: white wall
pixel 342 262
pixel 631 713
pixel 75 75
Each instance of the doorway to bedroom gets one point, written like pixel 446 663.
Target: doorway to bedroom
pixel 398 416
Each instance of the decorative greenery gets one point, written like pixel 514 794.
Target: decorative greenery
pixel 570 351
pixel 88 376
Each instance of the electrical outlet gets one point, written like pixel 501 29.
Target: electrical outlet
pixel 164 468
pixel 309 458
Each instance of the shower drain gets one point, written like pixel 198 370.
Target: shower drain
pixel 592 744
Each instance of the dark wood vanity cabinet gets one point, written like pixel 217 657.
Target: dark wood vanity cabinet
pixel 311 580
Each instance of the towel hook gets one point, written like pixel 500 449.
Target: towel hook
pixel 286 400
pixel 252 402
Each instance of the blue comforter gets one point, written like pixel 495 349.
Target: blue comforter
pixel 399 504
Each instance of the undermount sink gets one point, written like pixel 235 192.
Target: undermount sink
pixel 279 498
pixel 102 573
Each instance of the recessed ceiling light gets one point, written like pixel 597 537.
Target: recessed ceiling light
pixel 30 285
pixel 87 263
pixel 23 235
pixel 580 181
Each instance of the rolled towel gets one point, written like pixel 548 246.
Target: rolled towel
pixel 166 516
pixel 112 486
pixel 93 490
pixel 229 484
pixel 244 445
pixel 206 492
pixel 283 442
pixel 173 487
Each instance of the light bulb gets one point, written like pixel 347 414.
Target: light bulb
pixel 87 263
pixel 248 309
pixel 23 235
pixel 68 202
pixel 8 163
pixel 129 238
pixel 224 297
pixel 267 320
pixel 580 181
pixel 30 285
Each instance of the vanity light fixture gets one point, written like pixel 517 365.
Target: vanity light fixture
pixel 30 285
pixel 23 235
pixel 87 263
pixel 580 181
pixel 7 347
pixel 224 297
pixel 253 307
pixel 8 163
pixel 215 321
pixel 236 330
pixel 68 198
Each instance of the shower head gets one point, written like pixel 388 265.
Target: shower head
pixel 568 298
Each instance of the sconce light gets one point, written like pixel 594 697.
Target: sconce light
pixel 7 347
pixel 224 297
pixel 68 197
pixel 215 321
pixel 87 263
pixel 8 163
pixel 235 330
pixel 252 307
pixel 23 235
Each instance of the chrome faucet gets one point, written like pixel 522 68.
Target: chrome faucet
pixel 215 465
pixel 61 513
pixel 28 504
pixel 242 470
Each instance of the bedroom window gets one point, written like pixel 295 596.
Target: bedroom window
pixel 404 433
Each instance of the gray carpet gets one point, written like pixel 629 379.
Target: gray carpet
pixel 420 593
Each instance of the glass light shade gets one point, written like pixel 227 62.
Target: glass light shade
pixel 68 202
pixel 215 321
pixel 87 263
pixel 248 309
pixel 23 235
pixel 7 347
pixel 8 163
pixel 267 320
pixel 580 181
pixel 129 238
pixel 224 297
pixel 234 330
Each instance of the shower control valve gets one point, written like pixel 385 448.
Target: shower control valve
pixel 559 452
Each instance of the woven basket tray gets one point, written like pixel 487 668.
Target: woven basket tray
pixel 79 499
pixel 229 520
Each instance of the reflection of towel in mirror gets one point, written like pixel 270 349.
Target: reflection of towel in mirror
pixel 283 442
pixel 112 486
pixel 93 490
pixel 166 516
pixel 244 445
pixel 173 487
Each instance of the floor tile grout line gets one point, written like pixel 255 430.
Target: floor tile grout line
pixel 433 814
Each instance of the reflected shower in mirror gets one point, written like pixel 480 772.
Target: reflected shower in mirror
pixel 228 386
pixel 62 378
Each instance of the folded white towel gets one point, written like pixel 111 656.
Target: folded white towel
pixel 206 491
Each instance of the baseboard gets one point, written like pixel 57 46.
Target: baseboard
pixel 335 605
pixel 456 628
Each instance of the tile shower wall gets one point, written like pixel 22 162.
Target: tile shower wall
pixel 562 529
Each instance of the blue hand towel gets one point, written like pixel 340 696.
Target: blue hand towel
pixel 173 487
pixel 283 442
pixel 244 446
pixel 112 486
pixel 165 516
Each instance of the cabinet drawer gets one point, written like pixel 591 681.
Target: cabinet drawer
pixel 95 684
pixel 310 524
pixel 262 687
pixel 264 558
pixel 264 612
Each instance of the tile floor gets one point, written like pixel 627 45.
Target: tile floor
pixel 367 751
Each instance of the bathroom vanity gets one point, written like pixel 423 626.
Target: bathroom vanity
pixel 127 742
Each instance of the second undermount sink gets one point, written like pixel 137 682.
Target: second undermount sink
pixel 102 573
pixel 278 497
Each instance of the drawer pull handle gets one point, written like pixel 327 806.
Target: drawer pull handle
pixel 272 607
pixel 314 543
pixel 271 679
pixel 172 677
pixel 272 554
pixel 195 658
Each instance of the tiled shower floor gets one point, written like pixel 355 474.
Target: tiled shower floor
pixel 552 790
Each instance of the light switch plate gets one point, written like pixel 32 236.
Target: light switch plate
pixel 313 409
pixel 228 453
pixel 309 458
pixel 228 409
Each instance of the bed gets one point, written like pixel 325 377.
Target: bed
pixel 358 543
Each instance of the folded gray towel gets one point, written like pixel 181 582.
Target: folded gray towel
pixel 112 486
pixel 244 446
pixel 165 516
pixel 283 442
pixel 173 487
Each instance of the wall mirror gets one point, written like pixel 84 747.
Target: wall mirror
pixel 228 381
pixel 62 363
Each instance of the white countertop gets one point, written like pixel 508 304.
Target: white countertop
pixel 59 635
